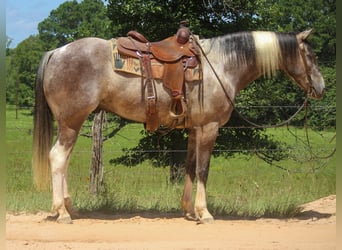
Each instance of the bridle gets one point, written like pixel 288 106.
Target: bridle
pixel 310 90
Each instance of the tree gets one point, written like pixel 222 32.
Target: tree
pixel 70 21
pixel 300 15
pixel 73 20
pixel 8 44
pixel 96 184
pixel 23 62
pixel 158 19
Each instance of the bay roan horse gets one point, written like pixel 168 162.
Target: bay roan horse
pixel 78 78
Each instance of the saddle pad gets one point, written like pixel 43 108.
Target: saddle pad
pixel 127 64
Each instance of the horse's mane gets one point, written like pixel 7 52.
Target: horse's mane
pixel 262 48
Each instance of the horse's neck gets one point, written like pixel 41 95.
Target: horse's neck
pixel 245 76
pixel 239 68
pixel 234 75
pixel 234 78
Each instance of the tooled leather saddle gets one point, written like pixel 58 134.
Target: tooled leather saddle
pixel 177 53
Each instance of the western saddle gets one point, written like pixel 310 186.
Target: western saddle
pixel 177 53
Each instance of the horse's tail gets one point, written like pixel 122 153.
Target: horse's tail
pixel 42 131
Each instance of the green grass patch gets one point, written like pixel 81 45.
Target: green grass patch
pixel 240 185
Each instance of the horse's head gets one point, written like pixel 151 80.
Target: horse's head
pixel 304 70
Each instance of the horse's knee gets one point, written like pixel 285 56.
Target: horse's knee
pixel 202 174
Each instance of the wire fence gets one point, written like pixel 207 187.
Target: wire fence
pixel 302 144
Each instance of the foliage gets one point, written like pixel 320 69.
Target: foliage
pixel 22 64
pixel 299 15
pixel 160 149
pixel 73 20
pixel 268 101
pixel 158 19
pixel 8 44
pixel 70 21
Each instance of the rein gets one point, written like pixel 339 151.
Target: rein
pixel 234 106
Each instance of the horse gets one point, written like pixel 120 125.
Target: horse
pixel 78 78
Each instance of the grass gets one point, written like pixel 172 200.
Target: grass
pixel 239 186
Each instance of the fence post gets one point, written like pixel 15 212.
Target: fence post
pixel 96 169
pixel 16 98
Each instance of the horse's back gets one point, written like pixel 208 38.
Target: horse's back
pixel 89 51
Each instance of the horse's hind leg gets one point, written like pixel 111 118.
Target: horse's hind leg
pixel 59 158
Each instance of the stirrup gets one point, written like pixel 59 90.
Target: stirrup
pixel 173 110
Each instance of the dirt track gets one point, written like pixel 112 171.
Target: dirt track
pixel 314 228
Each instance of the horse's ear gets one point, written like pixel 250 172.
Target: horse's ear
pixel 302 36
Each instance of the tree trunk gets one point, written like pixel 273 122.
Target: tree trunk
pixel 96 169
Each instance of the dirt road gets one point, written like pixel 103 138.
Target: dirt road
pixel 313 229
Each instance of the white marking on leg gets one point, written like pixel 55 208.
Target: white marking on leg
pixel 65 180
pixel 58 161
pixel 201 209
pixel 200 201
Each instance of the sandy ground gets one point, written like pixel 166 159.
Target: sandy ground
pixel 313 229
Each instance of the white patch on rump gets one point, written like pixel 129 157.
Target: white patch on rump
pixel 63 49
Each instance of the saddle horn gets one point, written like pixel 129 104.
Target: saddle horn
pixel 183 33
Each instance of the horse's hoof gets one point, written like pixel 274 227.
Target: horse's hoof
pixel 64 220
pixel 51 217
pixel 189 216
pixel 208 220
pixel 75 215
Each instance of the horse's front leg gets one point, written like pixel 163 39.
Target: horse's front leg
pixel 205 140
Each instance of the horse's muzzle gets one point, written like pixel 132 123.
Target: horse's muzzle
pixel 316 94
